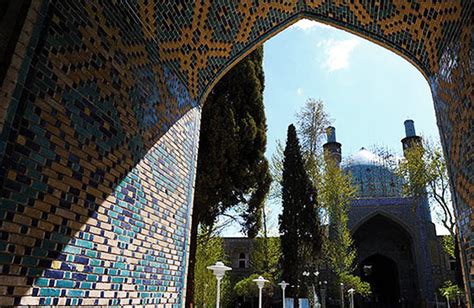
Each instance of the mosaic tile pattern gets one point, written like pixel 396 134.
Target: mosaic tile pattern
pixel 98 157
pixel 96 86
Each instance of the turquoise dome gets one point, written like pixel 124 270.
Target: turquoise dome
pixel 372 176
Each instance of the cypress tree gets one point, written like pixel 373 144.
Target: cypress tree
pixel 299 221
pixel 231 167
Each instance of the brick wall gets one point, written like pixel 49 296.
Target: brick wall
pixel 98 155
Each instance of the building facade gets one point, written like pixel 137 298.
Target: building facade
pixel 398 251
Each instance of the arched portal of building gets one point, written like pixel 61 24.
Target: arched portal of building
pixel 382 275
pixel 385 259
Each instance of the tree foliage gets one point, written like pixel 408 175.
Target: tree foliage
pixel 425 173
pixel 448 246
pixel 231 169
pixel 337 191
pixel 351 281
pixel 312 124
pixel 209 250
pixel 265 256
pixel 276 171
pixel 248 288
pixel 299 223
pixel 450 291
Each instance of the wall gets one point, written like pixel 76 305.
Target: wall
pixel 98 157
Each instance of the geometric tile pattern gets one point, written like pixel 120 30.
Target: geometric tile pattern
pixel 95 86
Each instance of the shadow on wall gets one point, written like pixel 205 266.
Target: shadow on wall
pixel 98 153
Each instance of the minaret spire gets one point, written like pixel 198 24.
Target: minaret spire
pixel 332 148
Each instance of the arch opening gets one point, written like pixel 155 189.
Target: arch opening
pixel 386 260
pixel 382 274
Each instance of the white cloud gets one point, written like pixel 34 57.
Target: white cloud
pixel 307 24
pixel 300 91
pixel 337 53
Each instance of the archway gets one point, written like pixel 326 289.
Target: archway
pixel 381 240
pixel 96 87
pixel 382 274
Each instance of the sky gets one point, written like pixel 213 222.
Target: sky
pixel 367 90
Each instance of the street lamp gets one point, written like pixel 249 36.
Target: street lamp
pixel 323 293
pixel 351 297
pixel 219 270
pixel 283 286
pixel 342 295
pixel 260 283
pixel 315 295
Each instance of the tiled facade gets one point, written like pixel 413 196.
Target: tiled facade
pixel 422 264
pixel 97 91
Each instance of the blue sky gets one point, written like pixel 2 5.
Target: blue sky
pixel 368 90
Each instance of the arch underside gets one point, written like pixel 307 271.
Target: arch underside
pixel 100 117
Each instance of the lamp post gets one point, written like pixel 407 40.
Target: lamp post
pixel 283 286
pixel 260 283
pixel 342 295
pixel 315 295
pixel 323 293
pixel 219 270
pixel 351 297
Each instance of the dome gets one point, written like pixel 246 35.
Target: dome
pixel 364 157
pixel 372 176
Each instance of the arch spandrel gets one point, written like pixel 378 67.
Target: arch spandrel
pixel 407 230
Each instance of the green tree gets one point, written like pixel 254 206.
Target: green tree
pixel 265 256
pixel 354 282
pixel 231 168
pixel 312 122
pixel 450 291
pixel 299 223
pixel 209 250
pixel 425 173
pixel 248 288
pixel 337 191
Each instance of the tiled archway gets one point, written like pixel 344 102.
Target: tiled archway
pixel 100 114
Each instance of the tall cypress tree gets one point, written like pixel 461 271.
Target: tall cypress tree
pixel 231 167
pixel 299 221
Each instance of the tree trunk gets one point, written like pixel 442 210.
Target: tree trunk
pixel 192 260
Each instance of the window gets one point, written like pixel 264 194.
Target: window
pixel 242 260
pixel 452 264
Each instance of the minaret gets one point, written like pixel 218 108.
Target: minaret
pixel 411 138
pixel 332 148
